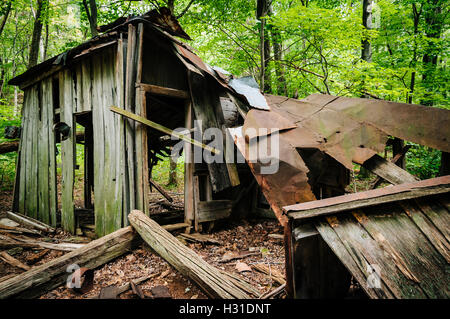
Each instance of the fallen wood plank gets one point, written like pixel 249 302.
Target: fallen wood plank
pixel 388 170
pixel 30 222
pixel 272 273
pixel 373 197
pixel 274 292
pixel 199 238
pixel 163 129
pixel 173 227
pixel 161 190
pixel 394 160
pixel 13 261
pixel 19 230
pixel 186 261
pixel 43 278
pixel 45 245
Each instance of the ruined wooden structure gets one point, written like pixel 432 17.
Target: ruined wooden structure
pixel 126 89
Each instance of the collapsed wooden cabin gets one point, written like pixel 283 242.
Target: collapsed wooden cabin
pixel 136 83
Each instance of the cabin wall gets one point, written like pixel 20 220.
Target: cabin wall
pixel 35 193
pixel 92 85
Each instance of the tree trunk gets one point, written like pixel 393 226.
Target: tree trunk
pixel 279 69
pixel 173 171
pixel 37 31
pixel 5 16
pixel 366 53
pixel 91 13
pixel 433 19
pixel 262 11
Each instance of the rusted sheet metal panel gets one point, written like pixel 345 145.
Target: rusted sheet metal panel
pixel 334 133
pixel 393 251
pixel 329 203
pixel 288 185
pixel 428 126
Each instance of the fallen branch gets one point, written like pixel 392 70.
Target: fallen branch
pixel 48 276
pixel 13 261
pixel 186 261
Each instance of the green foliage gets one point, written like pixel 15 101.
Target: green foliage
pixel 8 160
pixel 423 161
pixel 160 173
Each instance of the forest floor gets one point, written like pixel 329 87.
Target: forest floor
pixel 233 237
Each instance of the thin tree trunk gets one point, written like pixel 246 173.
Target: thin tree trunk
pixel 366 53
pixel 279 69
pixel 173 171
pixel 91 12
pixel 37 31
pixel 5 17
pixel 262 11
pixel 434 21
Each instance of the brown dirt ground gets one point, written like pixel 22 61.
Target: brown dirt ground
pixel 233 237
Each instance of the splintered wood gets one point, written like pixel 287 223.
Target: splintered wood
pixel 211 280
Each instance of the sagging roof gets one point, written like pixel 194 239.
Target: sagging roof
pixel 395 240
pixel 347 129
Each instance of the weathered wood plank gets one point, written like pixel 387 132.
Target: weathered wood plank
pixel 188 168
pixel 50 275
pixel 335 243
pixel 112 198
pixel 213 210
pixel 406 247
pixel 98 127
pixel 43 173
pixel 388 170
pixel 130 74
pixel 162 128
pixel 29 222
pixel 23 151
pixel 32 177
pixel 163 91
pixel 436 238
pixel 67 152
pixel 52 182
pixel 368 253
pixel 120 185
pixel 210 279
pixel 327 206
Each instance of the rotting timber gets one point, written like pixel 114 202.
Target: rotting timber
pixel 140 67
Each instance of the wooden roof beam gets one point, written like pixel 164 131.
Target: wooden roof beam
pixel 373 197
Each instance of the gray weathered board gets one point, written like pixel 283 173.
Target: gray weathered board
pixel 407 243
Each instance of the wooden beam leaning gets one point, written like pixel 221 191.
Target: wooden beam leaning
pixel 45 277
pixel 163 91
pixel 373 197
pixel 388 170
pixel 163 129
